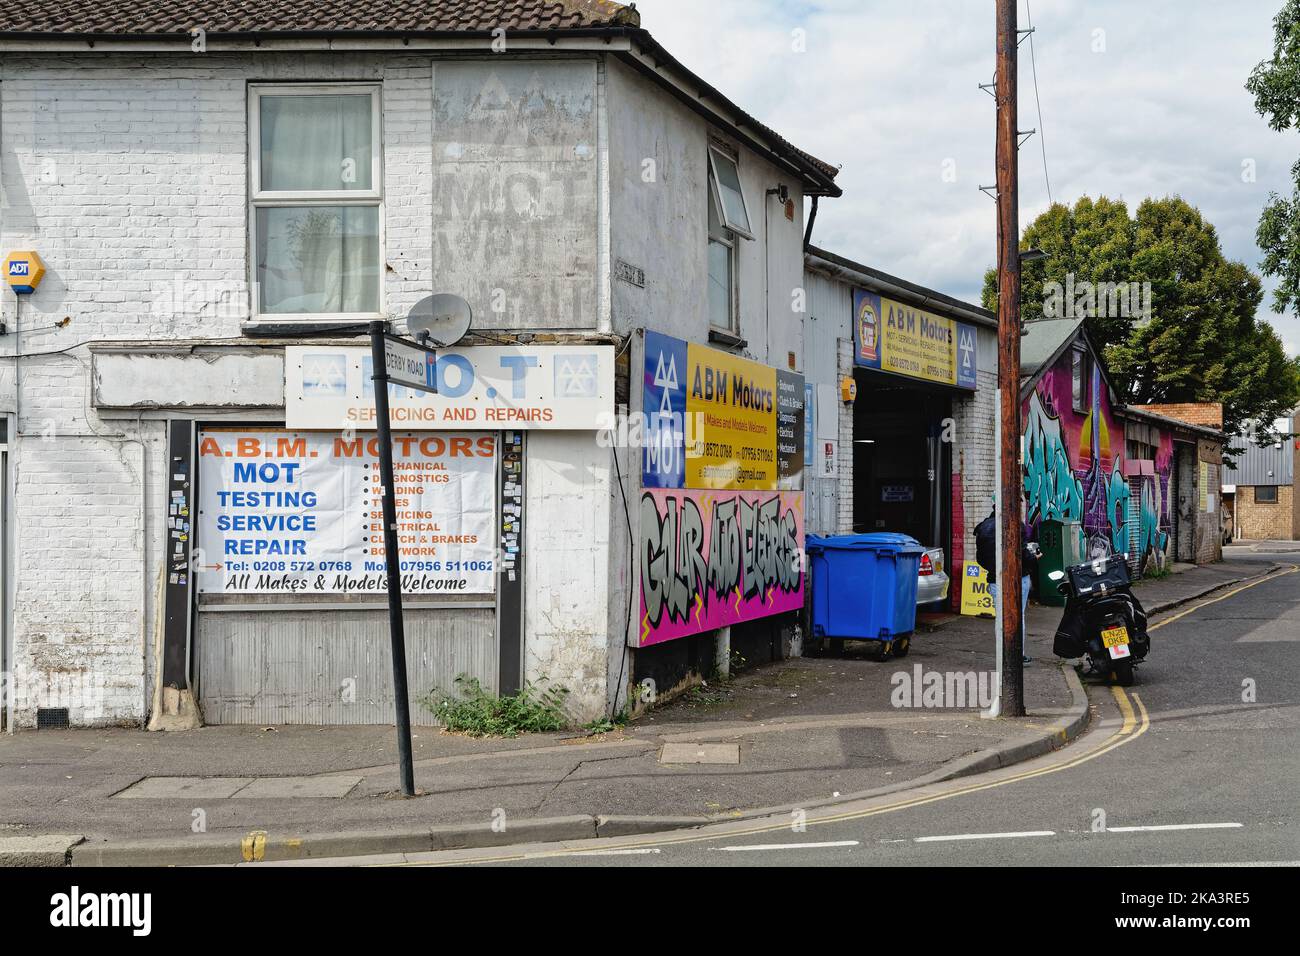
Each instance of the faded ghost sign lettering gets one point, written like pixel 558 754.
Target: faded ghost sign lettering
pixel 711 559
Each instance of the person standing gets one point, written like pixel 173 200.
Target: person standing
pixel 986 555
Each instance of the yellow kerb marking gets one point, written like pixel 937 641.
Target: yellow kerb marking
pixel 254 846
pixel 1126 709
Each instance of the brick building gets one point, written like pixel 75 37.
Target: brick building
pixel 221 201
pixel 1261 488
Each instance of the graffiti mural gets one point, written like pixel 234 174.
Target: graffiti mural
pixel 1154 530
pixel 1052 490
pixel 1076 469
pixel 711 559
pixel 1117 498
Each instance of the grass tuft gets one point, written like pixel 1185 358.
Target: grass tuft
pixel 472 710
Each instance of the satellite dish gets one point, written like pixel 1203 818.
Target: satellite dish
pixel 439 320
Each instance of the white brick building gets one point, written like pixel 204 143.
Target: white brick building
pixel 553 168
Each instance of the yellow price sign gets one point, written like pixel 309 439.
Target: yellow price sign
pixel 976 601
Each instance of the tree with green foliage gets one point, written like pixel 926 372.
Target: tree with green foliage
pixel 1275 84
pixel 1197 337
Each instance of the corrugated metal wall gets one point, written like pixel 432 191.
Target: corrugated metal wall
pixel 830 309
pixel 260 666
pixel 1263 466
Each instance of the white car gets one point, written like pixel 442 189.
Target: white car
pixel 932 579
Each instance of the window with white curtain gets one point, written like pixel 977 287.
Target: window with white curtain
pixel 317 197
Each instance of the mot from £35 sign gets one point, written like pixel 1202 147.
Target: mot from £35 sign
pixel 286 512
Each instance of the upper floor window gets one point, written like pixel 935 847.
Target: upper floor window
pixel 728 221
pixel 725 177
pixel 722 270
pixel 1079 379
pixel 316 186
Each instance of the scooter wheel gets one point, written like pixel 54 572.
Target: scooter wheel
pixel 1124 673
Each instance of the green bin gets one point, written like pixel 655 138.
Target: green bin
pixel 1062 546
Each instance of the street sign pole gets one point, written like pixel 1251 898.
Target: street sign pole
pixel 392 558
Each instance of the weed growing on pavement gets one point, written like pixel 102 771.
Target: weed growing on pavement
pixel 474 711
pixel 607 725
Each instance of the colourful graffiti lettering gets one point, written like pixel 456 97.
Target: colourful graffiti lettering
pixel 1151 540
pixel 1076 470
pixel 1052 491
pixel 1117 497
pixel 740 563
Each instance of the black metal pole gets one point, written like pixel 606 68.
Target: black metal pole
pixel 392 560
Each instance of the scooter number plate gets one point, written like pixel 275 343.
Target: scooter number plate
pixel 1115 640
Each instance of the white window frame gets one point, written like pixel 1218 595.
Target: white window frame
pixel 259 198
pixel 716 154
pixel 1079 361
pixel 728 240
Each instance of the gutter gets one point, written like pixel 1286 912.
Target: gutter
pixel 917 295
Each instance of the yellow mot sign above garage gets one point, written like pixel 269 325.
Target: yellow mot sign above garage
pixel 894 337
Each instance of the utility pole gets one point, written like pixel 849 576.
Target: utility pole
pixel 1009 484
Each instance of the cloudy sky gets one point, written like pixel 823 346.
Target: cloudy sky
pixel 1139 98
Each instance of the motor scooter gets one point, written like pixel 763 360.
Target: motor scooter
pixel 1103 620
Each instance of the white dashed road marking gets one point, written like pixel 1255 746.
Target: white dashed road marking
pixel 986 836
pixel 784 846
pixel 1174 826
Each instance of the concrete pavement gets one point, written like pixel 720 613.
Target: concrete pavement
pixel 806 732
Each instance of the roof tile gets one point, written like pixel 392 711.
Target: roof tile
pixel 161 17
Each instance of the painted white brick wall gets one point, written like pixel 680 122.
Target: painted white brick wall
pixel 844 464
pixel 84 556
pixel 128 174
pixel 975 454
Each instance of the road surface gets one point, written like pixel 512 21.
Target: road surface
pixel 1194 765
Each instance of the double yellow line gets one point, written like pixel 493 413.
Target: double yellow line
pixel 1136 722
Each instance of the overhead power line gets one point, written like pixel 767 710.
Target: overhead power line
pixel 1042 140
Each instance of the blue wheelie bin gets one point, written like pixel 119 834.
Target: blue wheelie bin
pixel 864 588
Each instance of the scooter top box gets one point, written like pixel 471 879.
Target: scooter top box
pixel 1110 571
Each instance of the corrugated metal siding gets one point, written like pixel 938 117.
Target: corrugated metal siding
pixel 830 309
pixel 289 667
pixel 1255 464
pixel 830 312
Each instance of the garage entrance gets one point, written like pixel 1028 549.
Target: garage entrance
pixel 902 466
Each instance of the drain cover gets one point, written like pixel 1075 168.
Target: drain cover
pixel 700 753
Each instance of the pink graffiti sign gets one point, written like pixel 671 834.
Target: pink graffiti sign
pixel 709 559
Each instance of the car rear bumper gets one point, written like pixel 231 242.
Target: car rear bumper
pixel 931 588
